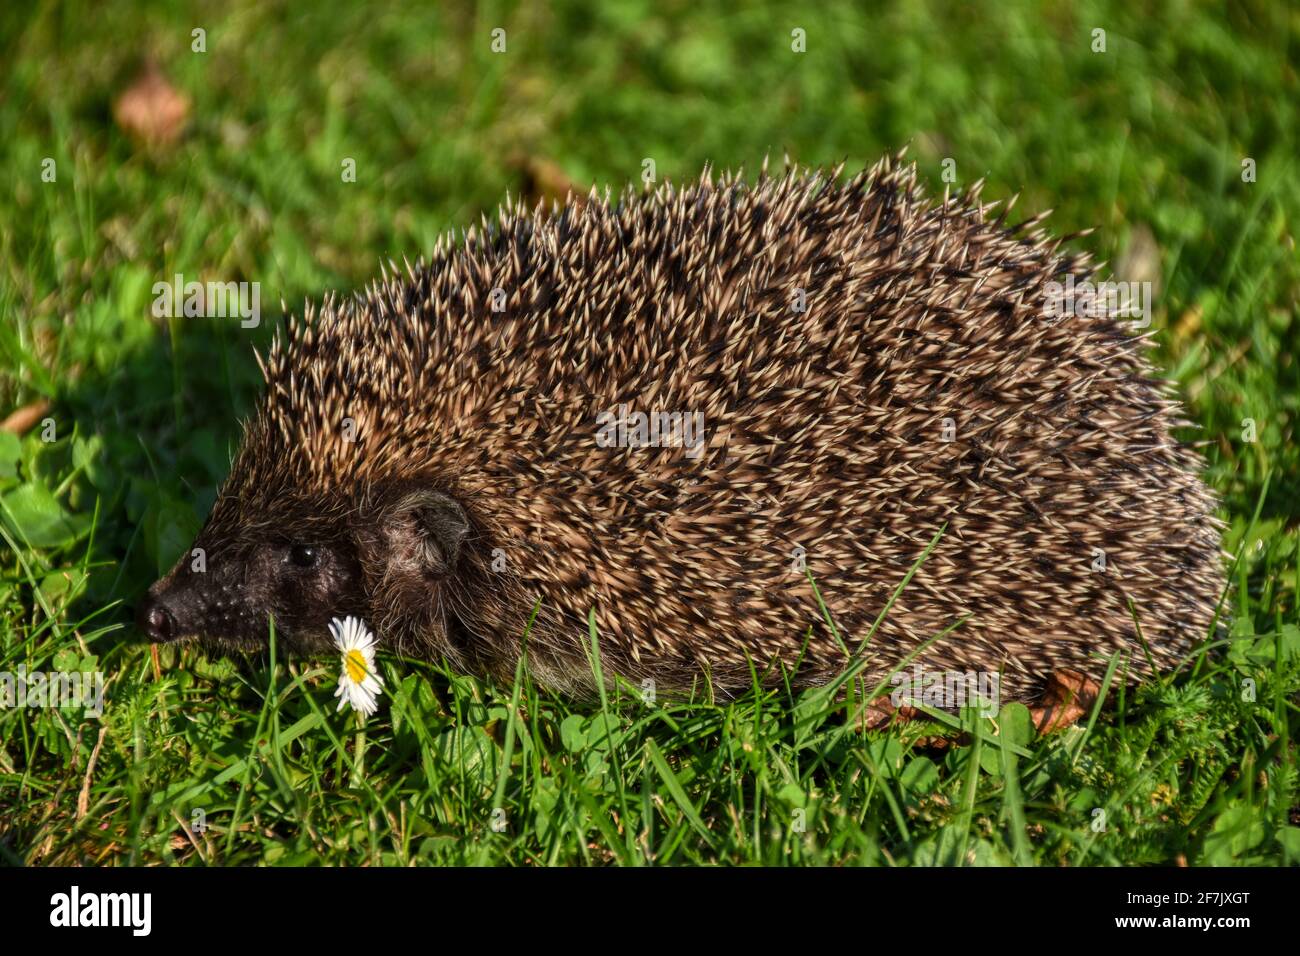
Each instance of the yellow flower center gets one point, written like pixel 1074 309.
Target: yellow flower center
pixel 354 662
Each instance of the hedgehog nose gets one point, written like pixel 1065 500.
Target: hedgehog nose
pixel 155 620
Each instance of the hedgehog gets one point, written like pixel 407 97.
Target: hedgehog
pixel 723 422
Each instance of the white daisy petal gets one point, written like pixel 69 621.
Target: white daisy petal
pixel 359 680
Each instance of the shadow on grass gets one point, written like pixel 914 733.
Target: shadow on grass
pixel 163 423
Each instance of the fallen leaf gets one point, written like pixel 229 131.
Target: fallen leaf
pixel 1069 695
pixel 24 418
pixel 151 109
pixel 545 181
pixel 881 712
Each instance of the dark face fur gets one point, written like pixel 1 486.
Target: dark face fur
pixel 305 563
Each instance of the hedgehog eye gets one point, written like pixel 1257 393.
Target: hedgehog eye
pixel 303 556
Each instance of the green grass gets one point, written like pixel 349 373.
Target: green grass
pixel 1144 142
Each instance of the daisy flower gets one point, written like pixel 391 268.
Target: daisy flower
pixel 359 680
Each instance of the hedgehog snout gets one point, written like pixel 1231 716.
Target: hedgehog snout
pixel 156 620
pixel 179 606
pixel 159 615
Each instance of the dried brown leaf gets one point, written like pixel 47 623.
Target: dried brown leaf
pixel 22 419
pixel 1069 695
pixel 151 110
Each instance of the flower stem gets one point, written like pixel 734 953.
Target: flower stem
pixel 359 751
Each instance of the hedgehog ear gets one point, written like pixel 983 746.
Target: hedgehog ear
pixel 433 527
